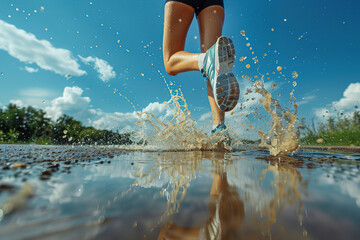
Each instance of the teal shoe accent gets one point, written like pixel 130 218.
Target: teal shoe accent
pixel 222 129
pixel 219 128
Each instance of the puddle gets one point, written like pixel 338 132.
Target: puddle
pixel 104 193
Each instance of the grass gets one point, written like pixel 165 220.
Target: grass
pixel 339 131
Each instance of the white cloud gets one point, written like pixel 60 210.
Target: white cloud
pixel 322 112
pixel 305 100
pixel 205 116
pixel 348 181
pixel 351 98
pixel 126 121
pixel 31 70
pixel 17 102
pixel 159 109
pixel 27 48
pixel 36 97
pixel 105 71
pixel 72 104
pixel 116 120
pixel 346 105
pixel 36 92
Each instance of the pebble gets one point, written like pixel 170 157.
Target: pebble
pixel 45 173
pixel 18 165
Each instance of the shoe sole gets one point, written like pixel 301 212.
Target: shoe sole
pixel 226 87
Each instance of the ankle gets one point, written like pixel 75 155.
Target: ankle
pixel 201 61
pixel 217 125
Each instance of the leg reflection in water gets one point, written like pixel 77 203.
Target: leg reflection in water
pixel 226 212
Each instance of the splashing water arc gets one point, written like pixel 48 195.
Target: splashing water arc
pixel 283 137
pixel 176 133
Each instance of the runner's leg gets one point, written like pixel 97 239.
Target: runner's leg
pixel 210 22
pixel 177 20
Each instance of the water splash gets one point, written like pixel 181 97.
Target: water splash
pixel 176 132
pixel 283 137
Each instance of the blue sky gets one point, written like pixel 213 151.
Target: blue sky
pixel 110 44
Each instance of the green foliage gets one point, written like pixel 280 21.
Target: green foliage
pixel 29 125
pixel 342 131
pixel 13 136
pixel 2 136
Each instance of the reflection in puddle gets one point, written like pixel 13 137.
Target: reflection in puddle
pixel 192 195
pixel 226 205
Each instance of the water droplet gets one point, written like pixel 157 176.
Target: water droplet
pixel 295 74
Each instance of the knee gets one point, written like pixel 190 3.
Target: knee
pixel 169 69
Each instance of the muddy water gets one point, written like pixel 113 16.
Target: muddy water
pixel 104 193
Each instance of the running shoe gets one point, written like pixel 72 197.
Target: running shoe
pixel 217 68
pixel 221 131
pixel 219 128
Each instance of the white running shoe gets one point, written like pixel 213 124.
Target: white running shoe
pixel 217 68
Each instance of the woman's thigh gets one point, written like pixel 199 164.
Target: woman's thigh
pixel 177 20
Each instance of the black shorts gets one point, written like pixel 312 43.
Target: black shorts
pixel 199 5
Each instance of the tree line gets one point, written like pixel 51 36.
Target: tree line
pixel 30 125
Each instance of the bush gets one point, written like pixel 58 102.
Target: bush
pixel 342 131
pixel 29 125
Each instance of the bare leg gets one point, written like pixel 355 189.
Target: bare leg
pixel 177 20
pixel 210 22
